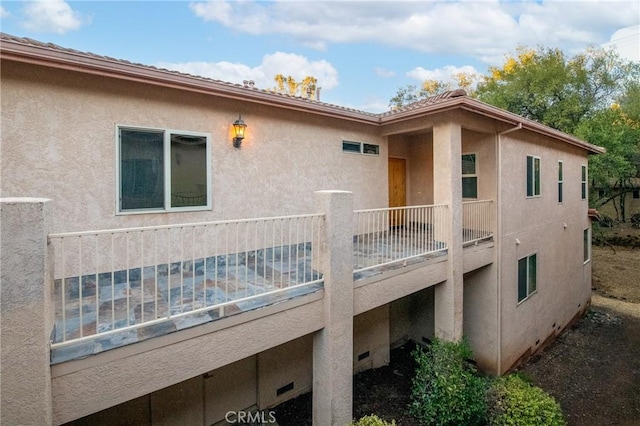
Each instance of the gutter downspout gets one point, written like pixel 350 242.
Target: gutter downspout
pixel 499 236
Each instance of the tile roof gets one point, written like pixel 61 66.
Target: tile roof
pixel 25 41
pixel 49 54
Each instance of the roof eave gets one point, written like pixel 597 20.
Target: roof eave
pixel 478 107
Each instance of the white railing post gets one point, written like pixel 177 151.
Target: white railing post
pixel 26 313
pixel 333 345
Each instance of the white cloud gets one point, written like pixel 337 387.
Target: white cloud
pixel 483 29
pixel 3 12
pixel 627 42
pixel 287 64
pixel 383 72
pixel 54 16
pixel 443 74
pixel 213 11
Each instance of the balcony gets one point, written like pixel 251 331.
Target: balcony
pixel 117 287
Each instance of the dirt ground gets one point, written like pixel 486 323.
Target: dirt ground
pixel 592 369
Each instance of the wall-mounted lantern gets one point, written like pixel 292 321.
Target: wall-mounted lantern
pixel 238 130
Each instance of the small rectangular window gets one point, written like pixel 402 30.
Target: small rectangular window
pixel 533 176
pixel 527 276
pixel 351 146
pixel 162 170
pixel 586 244
pixel 469 176
pixel 370 149
pixel 636 194
pixel 584 182
pixel 360 148
pixel 560 181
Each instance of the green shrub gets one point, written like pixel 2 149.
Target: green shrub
pixel 373 420
pixel 512 401
pixel 446 389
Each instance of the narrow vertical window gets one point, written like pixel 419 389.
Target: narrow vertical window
pixel 560 181
pixel 522 279
pixel 527 276
pixel 586 244
pixel 533 176
pixel 469 176
pixel 584 182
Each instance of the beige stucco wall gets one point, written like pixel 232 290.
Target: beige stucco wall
pixel 59 141
pixel 552 230
pixel 483 145
pixel 249 383
pixel 371 335
pixel 282 365
pixel 26 312
pixel 481 316
pixel 89 385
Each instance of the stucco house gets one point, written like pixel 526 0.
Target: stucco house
pixel 159 267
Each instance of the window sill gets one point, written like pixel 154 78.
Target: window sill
pixel 527 298
pixel 174 210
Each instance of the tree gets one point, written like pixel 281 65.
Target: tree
pixel 545 85
pixel 288 85
pixel 411 93
pixel 615 172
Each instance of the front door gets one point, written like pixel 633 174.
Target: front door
pixel 397 188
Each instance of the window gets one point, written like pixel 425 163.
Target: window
pixel 533 176
pixel 469 177
pixel 527 271
pixel 351 146
pixel 360 148
pixel 600 193
pixel 636 194
pixel 163 170
pixel 560 181
pixel 586 244
pixel 584 182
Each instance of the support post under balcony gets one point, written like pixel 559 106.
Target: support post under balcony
pixel 447 152
pixel 333 345
pixel 26 313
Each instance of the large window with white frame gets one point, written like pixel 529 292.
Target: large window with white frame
pixel 527 276
pixel 583 182
pixel 560 181
pixel 469 176
pixel 163 170
pixel 533 176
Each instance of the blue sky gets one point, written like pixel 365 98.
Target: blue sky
pixel 361 52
